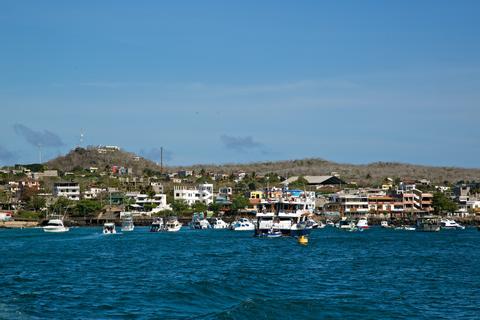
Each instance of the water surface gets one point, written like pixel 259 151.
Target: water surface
pixel 220 274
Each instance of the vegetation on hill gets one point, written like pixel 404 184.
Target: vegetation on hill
pixel 367 174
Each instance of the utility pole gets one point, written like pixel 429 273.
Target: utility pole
pixel 161 160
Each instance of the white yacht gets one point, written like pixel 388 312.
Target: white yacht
pixel 173 225
pixel 218 223
pixel 242 224
pixel 157 225
pixel 362 223
pixel 450 224
pixel 55 225
pixel 286 212
pixel 109 228
pixel 127 223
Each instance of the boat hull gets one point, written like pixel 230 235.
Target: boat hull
pixel 56 230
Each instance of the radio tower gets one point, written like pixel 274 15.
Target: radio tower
pixel 81 138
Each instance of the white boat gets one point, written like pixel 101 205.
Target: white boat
pixel 406 228
pixel 450 224
pixel 312 224
pixel 173 225
pixel 329 223
pixel 242 224
pixel 109 228
pixel 218 223
pixel 55 225
pixel 362 223
pixel 127 223
pixel 157 225
pixel 287 211
pixel 199 222
pixel 384 224
pixel 345 224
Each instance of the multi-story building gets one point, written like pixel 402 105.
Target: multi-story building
pixel 145 204
pixel 351 203
pixel 69 190
pixel 201 193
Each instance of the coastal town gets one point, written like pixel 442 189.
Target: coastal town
pixel 30 194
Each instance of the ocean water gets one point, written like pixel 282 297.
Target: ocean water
pixel 220 274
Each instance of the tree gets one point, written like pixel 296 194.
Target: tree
pixel 199 207
pixel 86 207
pixel 61 205
pixel 214 206
pixel 239 202
pixel 179 206
pixel 300 183
pixel 441 203
pixel 36 203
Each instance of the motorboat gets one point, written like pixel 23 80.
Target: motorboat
pixel 109 228
pixel 173 225
pixel 272 233
pixel 384 224
pixel 218 223
pixel 55 225
pixel 362 223
pixel 312 224
pixel 199 222
pixel 329 223
pixel 345 224
pixel 428 224
pixel 157 225
pixel 406 228
pixel 450 224
pixel 242 224
pixel 127 223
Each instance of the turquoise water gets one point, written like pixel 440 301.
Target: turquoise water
pixel 217 274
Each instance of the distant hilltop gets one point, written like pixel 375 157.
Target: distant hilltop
pixel 104 158
pixel 101 158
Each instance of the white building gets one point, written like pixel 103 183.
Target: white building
pixel 201 193
pixel 93 193
pixel 352 203
pixel 157 203
pixel 69 190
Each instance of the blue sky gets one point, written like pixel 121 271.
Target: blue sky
pixel 225 81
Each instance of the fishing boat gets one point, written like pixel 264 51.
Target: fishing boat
pixel 428 224
pixel 55 225
pixel 173 225
pixel 242 224
pixel 362 223
pixel 127 223
pixel 218 223
pixel 449 224
pixel 199 222
pixel 109 228
pixel 157 225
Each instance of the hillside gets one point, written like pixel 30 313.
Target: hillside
pixel 91 157
pixel 368 173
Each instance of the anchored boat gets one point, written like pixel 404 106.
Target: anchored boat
pixel 55 225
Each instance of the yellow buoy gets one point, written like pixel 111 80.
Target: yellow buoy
pixel 303 240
